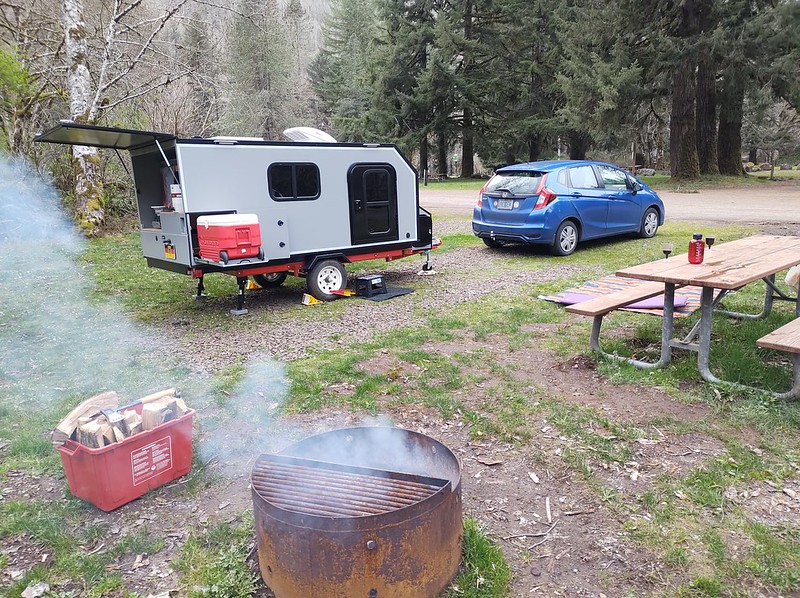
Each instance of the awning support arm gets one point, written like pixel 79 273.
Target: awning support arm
pixel 121 161
pixel 166 161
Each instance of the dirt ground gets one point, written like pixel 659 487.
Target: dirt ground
pixel 557 535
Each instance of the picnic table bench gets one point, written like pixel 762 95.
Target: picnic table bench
pixel 786 338
pixel 605 304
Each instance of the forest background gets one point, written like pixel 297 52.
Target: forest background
pixel 694 87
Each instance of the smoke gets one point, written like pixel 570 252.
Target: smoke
pixel 58 346
pixel 248 422
pixel 54 342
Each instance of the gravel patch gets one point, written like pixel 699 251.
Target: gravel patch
pixel 466 275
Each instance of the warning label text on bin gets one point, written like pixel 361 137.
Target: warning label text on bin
pixel 151 460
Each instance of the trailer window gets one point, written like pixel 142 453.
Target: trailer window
pixel 377 194
pixel 293 182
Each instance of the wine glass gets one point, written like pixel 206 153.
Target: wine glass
pixel 710 239
pixel 667 249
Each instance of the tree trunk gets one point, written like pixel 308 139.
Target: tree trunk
pixel 729 139
pixel 534 148
pixel 441 151
pixel 752 155
pixel 706 115
pixel 467 146
pixel 578 145
pixel 89 204
pixel 423 155
pixel 683 160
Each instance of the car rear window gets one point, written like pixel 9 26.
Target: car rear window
pixel 524 182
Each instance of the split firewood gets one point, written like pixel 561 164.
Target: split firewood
pixel 119 435
pixel 182 408
pixel 155 414
pixel 66 429
pixel 132 423
pixel 108 434
pixel 90 435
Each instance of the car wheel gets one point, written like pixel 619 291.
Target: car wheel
pixel 566 238
pixel 649 224
pixel 324 277
pixel 493 243
pixel 273 279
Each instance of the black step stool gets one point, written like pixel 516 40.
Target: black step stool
pixel 367 286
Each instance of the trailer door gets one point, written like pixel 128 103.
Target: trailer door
pixel 372 190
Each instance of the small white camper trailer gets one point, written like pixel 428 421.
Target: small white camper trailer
pixel 250 207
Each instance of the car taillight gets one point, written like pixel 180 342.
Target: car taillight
pixel 480 194
pixel 545 195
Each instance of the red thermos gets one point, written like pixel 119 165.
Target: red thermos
pixel 696 249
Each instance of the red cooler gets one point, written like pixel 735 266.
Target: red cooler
pixel 224 237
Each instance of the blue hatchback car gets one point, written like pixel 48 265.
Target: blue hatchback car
pixel 561 202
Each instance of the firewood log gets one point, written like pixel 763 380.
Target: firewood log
pixel 66 429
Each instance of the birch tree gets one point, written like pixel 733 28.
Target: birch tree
pixel 98 81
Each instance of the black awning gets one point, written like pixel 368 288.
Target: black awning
pixel 71 133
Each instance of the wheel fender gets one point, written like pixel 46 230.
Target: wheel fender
pixel 314 260
pixel 576 220
pixel 658 210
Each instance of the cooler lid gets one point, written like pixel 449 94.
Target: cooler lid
pixel 227 220
pixel 72 133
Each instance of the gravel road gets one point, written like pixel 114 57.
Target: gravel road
pixel 769 203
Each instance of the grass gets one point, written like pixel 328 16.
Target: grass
pixel 687 521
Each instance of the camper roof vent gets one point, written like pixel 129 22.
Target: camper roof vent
pixel 308 135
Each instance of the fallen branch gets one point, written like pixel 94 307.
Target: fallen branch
pixel 534 534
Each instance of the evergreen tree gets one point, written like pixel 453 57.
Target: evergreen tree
pixel 599 75
pixel 200 58
pixel 341 73
pixel 259 68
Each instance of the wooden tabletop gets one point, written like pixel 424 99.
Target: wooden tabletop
pixel 726 266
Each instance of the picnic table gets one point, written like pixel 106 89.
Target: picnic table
pixel 726 267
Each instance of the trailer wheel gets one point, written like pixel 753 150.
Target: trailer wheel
pixel 223 257
pixel 273 279
pixel 324 277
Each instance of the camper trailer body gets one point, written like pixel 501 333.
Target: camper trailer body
pixel 312 201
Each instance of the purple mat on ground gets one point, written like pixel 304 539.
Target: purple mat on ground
pixel 651 303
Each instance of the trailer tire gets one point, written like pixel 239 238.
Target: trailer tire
pixel 273 279
pixel 324 277
pixel 223 257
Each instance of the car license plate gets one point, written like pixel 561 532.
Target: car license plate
pixel 505 204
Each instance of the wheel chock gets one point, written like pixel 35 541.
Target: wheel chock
pixel 310 299
pixel 252 285
pixel 343 293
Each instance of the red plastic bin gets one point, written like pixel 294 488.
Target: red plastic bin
pixel 116 474
pixel 228 236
